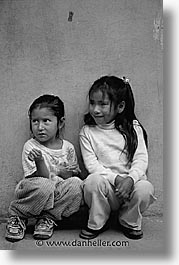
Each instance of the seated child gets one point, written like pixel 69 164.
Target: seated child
pixel 114 149
pixel 51 188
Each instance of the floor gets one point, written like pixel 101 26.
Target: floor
pixel 66 238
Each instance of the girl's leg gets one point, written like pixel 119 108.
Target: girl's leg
pixel 131 213
pixel 100 198
pixel 32 196
pixel 68 198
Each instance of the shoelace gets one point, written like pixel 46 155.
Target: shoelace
pixel 15 221
pixel 47 222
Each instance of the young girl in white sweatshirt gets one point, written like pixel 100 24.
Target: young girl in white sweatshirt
pixel 114 149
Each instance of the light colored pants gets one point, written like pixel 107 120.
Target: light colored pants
pixel 101 200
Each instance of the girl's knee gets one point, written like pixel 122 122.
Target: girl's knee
pixel 44 186
pixel 33 186
pixel 77 180
pixel 143 190
pixel 75 185
pixel 94 182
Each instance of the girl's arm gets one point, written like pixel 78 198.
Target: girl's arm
pixel 68 172
pixel 137 171
pixel 31 167
pixel 64 173
pixel 139 164
pixel 42 170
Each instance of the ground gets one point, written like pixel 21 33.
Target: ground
pixel 66 238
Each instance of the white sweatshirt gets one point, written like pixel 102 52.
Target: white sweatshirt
pixel 102 152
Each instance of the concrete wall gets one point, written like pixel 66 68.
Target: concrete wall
pixel 41 51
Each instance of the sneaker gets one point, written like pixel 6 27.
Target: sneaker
pixel 44 228
pixel 15 228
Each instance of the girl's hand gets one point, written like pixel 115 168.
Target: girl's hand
pixel 65 173
pixel 72 167
pixel 41 168
pixel 35 155
pixel 124 187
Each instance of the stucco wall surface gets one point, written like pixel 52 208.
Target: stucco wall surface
pixel 46 49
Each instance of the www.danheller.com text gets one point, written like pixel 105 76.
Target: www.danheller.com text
pixel 84 243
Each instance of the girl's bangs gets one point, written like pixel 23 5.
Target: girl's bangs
pixel 101 88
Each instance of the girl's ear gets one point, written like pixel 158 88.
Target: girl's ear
pixel 121 106
pixel 61 123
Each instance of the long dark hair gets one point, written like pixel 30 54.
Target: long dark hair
pixel 119 90
pixel 54 103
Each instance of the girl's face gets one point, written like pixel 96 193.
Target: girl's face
pixel 101 108
pixel 44 125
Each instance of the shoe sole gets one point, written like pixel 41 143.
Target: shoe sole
pixel 42 236
pixel 134 237
pixel 94 234
pixel 88 237
pixel 128 233
pixel 13 238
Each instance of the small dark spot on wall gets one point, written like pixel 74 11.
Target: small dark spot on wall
pixel 70 16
